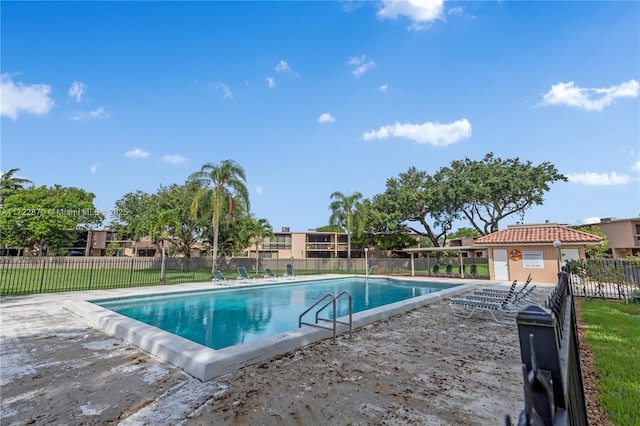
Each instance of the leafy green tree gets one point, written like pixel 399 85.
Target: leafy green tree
pixel 600 251
pixel 112 248
pixel 180 227
pixel 414 198
pixel 487 191
pixel 230 236
pixel 330 228
pixel 164 215
pixel 343 210
pixel 10 184
pixel 42 217
pixel 463 233
pixel 219 184
pixel 253 232
pixel 380 229
pixel 156 224
pixel 129 213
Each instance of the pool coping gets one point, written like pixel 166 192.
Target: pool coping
pixel 205 363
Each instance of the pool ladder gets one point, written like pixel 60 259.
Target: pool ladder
pixel 372 268
pixel 332 301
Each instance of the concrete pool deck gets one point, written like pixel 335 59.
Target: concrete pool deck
pixel 57 369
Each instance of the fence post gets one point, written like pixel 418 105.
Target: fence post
pixel 162 268
pixel 131 273
pixel 90 273
pixel 550 354
pixel 542 351
pixel 44 266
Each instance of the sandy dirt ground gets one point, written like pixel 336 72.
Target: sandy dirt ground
pixel 424 367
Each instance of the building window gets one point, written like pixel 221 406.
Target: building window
pixel 277 242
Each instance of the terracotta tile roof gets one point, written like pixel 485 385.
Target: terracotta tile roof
pixel 547 233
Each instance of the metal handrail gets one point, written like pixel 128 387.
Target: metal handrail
pixel 333 320
pixel 371 269
pixel 300 322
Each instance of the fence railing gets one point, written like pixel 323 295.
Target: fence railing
pixel 550 352
pixel 29 275
pixel 605 278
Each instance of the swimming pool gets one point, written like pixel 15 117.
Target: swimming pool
pixel 209 333
pixel 222 318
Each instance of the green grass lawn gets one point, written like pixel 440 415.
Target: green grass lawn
pixel 49 279
pixel 613 334
pixel 39 280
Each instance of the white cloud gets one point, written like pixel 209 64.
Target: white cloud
pixel 136 153
pixel 325 117
pixel 99 112
pixel 636 166
pixel 349 6
pixel 17 98
pixel 599 179
pixel 173 159
pixel 271 82
pixel 361 64
pixel 76 90
pixel 591 220
pixel 259 190
pixel 384 88
pixel 226 92
pixel 420 12
pixel 93 168
pixel 457 10
pixel 568 94
pixel 282 67
pixel 435 134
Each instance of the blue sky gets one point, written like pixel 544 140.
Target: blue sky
pixel 316 97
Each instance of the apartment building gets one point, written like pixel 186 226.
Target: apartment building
pixel 623 236
pixel 305 245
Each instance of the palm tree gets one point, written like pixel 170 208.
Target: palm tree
pixel 255 231
pixel 343 208
pixel 155 224
pixel 219 184
pixel 10 184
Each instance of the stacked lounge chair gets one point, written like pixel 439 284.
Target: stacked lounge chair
pixel 498 292
pixel 466 307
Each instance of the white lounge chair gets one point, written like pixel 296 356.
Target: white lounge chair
pixel 470 305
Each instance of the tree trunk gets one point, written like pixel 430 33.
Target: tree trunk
pixel 215 246
pixel 257 256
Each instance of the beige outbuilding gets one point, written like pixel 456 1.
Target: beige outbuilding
pixel 539 250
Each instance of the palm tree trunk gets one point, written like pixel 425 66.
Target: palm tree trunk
pixel 215 246
pixel 257 256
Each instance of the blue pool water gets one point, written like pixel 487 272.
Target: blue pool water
pixel 219 318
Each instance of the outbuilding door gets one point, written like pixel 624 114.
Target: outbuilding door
pixel 500 265
pixel 569 254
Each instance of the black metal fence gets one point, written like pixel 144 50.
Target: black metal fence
pixel 29 275
pixel 550 352
pixel 605 278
